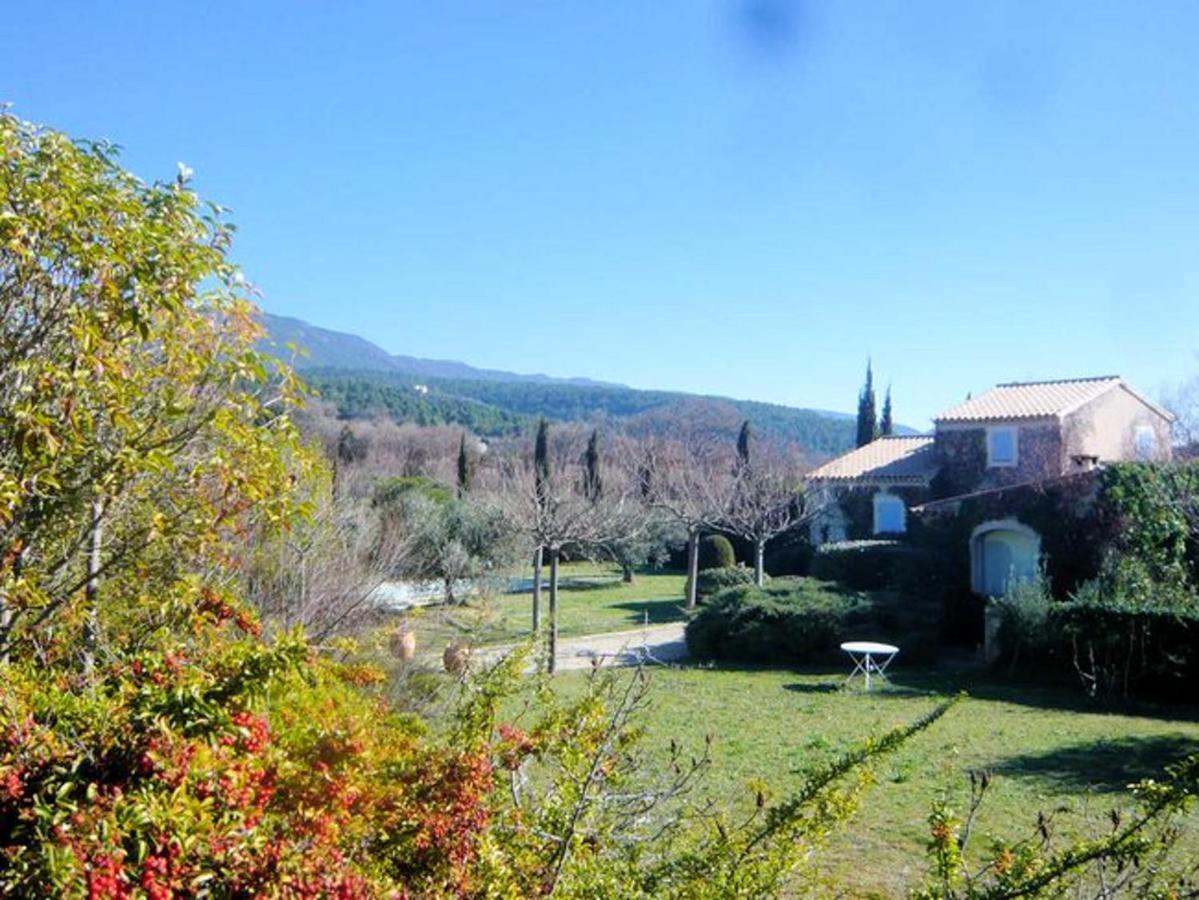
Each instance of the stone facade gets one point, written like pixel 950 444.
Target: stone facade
pixel 856 505
pixel 962 454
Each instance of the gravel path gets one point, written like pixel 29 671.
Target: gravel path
pixel 659 643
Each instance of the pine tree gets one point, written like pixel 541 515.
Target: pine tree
pixel 867 420
pixel 593 483
pixel 743 439
pixel 886 424
pixel 464 472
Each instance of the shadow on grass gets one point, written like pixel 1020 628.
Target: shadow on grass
pixel 1106 765
pixel 914 680
pixel 1041 694
pixel 668 609
pixel 839 686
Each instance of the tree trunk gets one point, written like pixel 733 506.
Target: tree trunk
pixel 626 573
pixel 91 590
pixel 537 590
pixel 553 609
pixel 759 562
pixel 692 565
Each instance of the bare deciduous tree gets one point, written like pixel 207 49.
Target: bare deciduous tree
pixel 692 477
pixel 324 574
pixel 1183 402
pixel 555 510
pixel 767 501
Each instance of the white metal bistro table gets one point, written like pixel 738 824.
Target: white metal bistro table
pixel 870 659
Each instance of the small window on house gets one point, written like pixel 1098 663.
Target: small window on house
pixel 1146 443
pixel 1001 446
pixel 890 514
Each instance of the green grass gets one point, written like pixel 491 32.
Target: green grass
pixel 1047 748
pixel 591 600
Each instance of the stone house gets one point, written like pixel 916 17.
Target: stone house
pixel 1004 468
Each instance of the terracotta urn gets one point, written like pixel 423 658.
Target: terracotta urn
pixel 456 658
pixel 403 643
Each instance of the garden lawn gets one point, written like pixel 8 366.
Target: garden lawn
pixel 1049 749
pixel 591 600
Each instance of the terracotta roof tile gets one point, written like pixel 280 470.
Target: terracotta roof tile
pixel 1030 400
pixel 894 459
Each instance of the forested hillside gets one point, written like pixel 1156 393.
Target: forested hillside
pixel 361 379
pixel 492 408
pixel 363 394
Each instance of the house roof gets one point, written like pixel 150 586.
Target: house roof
pixel 894 459
pixel 1037 399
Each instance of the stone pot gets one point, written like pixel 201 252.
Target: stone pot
pixel 456 658
pixel 403 643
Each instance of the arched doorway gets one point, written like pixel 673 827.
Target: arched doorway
pixel 1002 552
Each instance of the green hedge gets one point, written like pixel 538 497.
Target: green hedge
pixel 1114 649
pixel 869 565
pixel 802 620
pixel 710 581
pixel 716 552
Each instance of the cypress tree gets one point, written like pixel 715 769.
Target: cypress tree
pixel 743 439
pixel 593 483
pixel 886 424
pixel 541 461
pixel 464 472
pixel 867 420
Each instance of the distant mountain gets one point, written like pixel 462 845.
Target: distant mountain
pixel 361 379
pixel 338 350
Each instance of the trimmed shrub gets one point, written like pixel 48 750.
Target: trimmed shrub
pixel 710 581
pixel 789 554
pixel 864 565
pixel 716 552
pixel 801 620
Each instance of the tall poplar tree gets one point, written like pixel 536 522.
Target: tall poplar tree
pixel 867 419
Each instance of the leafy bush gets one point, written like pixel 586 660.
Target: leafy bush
pixel 1153 506
pixel 710 581
pixel 1024 612
pixel 391 491
pixel 1118 636
pixel 867 565
pixel 716 552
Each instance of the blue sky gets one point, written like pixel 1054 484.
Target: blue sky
pixel 744 197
